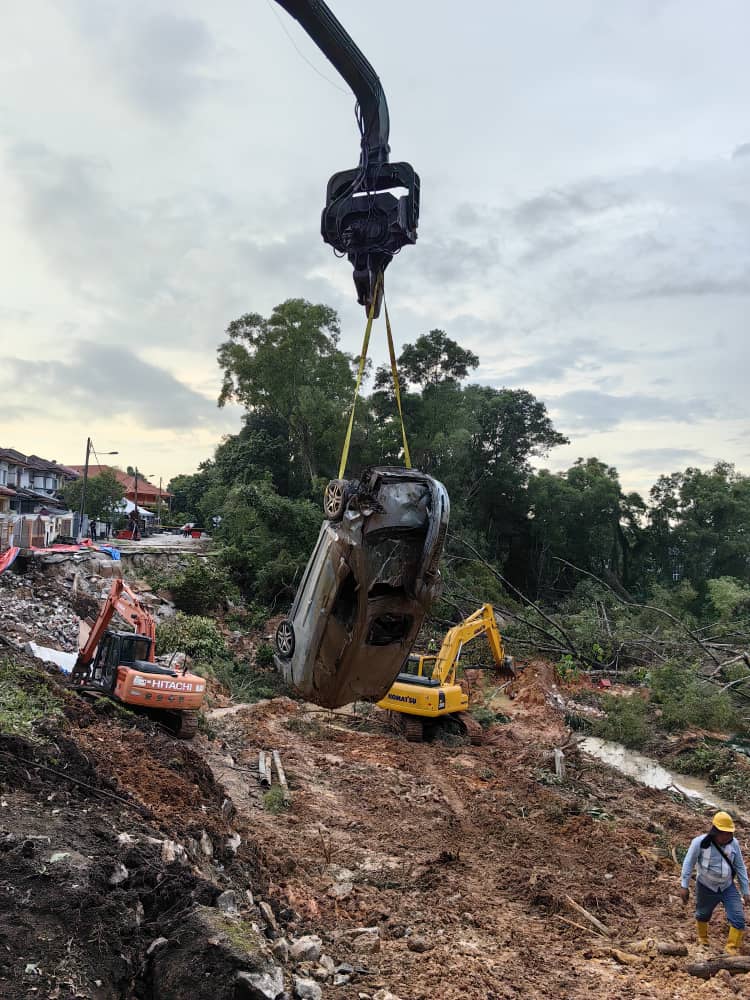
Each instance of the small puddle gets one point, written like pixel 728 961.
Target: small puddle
pixel 651 774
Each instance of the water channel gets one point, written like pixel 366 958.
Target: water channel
pixel 653 775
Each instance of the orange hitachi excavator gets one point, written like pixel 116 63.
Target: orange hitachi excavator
pixel 121 665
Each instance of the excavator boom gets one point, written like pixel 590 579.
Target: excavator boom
pixel 481 622
pixel 362 218
pixel 122 600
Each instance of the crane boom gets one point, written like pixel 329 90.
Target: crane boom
pixel 336 44
pixel 362 218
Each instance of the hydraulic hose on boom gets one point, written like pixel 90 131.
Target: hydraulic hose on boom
pixel 362 218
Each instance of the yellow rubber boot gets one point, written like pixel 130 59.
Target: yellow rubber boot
pixel 734 941
pixel 702 928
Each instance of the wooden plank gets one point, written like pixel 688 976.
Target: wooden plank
pixel 577 908
pixel 282 776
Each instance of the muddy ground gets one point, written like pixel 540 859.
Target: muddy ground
pixel 135 866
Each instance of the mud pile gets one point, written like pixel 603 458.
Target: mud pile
pixel 124 873
pixel 453 871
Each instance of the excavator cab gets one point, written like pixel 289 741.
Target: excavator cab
pixel 116 649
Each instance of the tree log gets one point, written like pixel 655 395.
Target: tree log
pixel 650 946
pixel 282 776
pixel 734 965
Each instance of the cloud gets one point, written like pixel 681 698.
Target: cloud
pixel 589 197
pixel 102 378
pixel 663 458
pixel 743 150
pixel 159 60
pixel 580 355
pixel 589 410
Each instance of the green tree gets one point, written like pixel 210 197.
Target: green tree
pixel 266 538
pixel 433 358
pixel 581 516
pixel 699 525
pixel 289 367
pixel 104 495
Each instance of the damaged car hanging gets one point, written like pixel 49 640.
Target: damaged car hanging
pixel 367 587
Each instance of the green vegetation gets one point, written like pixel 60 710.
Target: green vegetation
pixel 734 785
pixel 685 700
pixel 273 800
pixel 243 682
pixel 26 698
pixel 200 585
pixel 706 759
pixel 486 717
pixel 627 721
pixel 194 635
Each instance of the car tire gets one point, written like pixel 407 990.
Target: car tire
pixel 336 498
pixel 285 639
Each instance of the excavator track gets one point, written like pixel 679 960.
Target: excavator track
pixel 184 725
pixel 413 729
pixel 473 730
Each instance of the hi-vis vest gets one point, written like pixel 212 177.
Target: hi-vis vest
pixel 712 869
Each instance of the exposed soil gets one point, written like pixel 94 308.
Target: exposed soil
pixel 437 870
pixel 473 851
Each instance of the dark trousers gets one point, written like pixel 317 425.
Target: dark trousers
pixel 706 901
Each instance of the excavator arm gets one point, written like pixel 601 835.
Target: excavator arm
pixel 122 600
pixel 362 218
pixel 481 622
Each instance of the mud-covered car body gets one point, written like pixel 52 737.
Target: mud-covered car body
pixel 370 580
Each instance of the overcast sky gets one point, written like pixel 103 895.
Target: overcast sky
pixel 585 224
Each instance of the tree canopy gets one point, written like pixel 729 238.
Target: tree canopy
pixel 104 495
pixel 540 529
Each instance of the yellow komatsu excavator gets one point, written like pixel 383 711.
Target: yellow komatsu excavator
pixel 427 690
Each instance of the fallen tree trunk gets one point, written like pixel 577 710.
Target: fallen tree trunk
pixel 734 965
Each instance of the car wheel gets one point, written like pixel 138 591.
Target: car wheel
pixel 285 639
pixel 335 499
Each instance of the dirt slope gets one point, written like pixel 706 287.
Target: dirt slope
pixel 134 866
pixel 463 857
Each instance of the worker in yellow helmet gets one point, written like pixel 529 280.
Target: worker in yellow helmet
pixel 718 860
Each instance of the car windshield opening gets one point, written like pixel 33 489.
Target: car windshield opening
pixel 387 629
pixel 345 605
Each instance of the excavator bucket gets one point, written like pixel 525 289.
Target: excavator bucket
pixel 507 669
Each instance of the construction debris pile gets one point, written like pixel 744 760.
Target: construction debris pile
pixel 34 607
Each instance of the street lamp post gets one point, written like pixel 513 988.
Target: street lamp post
pixel 135 477
pixel 89 446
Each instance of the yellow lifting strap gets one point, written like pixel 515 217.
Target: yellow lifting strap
pixel 360 372
pixel 396 387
